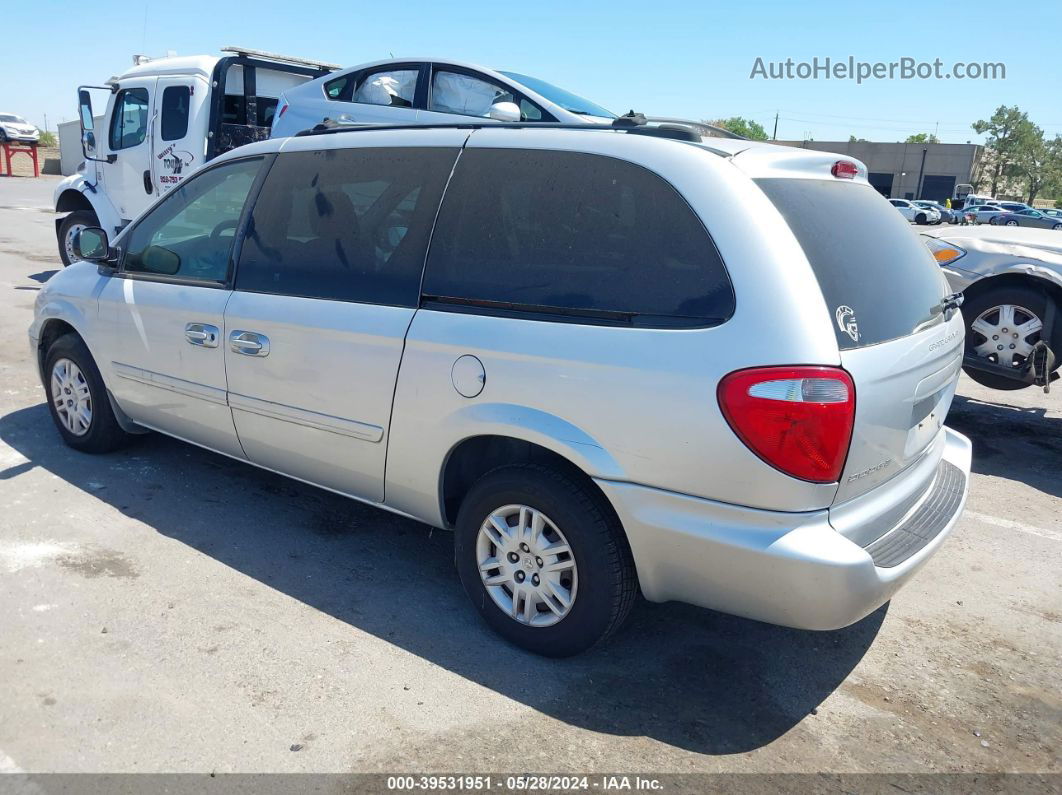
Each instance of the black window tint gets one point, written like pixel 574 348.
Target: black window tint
pixel 175 100
pixel 190 235
pixel 870 264
pixel 130 120
pixel 345 224
pixel 577 233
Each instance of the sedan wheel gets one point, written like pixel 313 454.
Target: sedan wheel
pixel 527 565
pixel 1006 334
pixel 71 397
pixel 1012 222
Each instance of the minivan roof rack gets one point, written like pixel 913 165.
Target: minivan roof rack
pixel 273 56
pixel 674 132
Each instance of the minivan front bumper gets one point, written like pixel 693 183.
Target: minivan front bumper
pixel 792 569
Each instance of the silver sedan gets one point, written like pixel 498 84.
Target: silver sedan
pixel 1031 218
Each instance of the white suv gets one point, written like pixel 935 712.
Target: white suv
pixel 714 372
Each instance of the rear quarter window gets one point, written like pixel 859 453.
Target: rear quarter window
pixel 879 281
pixel 570 234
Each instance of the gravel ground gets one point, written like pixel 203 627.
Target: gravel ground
pixel 166 609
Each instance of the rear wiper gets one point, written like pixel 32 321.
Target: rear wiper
pixel 948 304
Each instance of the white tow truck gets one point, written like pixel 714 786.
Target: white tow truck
pixel 165 118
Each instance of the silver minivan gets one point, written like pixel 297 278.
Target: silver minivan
pixel 612 362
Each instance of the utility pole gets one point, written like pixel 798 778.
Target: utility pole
pixel 774 135
pixel 921 171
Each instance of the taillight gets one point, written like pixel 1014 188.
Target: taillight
pixel 797 419
pixel 844 169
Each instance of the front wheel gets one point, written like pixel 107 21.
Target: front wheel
pixel 544 559
pixel 920 219
pixel 77 398
pixel 68 231
pixel 1002 326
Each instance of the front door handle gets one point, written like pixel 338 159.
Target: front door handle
pixel 202 334
pixel 249 343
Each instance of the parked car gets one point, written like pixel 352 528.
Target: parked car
pixel 16 129
pixel 946 216
pixel 914 213
pixel 983 213
pixel 1051 212
pixel 424 91
pixel 715 373
pixel 1012 282
pixel 1033 218
pixel 1014 207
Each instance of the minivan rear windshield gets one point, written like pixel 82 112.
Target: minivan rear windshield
pixel 879 281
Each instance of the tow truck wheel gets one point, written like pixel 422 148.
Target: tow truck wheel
pixel 1002 326
pixel 68 230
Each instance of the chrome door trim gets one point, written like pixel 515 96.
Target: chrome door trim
pixel 309 419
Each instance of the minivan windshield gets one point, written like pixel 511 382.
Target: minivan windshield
pixel 879 281
pixel 567 100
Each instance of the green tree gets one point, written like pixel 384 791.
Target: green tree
pixel 922 138
pixel 744 127
pixel 1010 135
pixel 1040 164
pixel 853 140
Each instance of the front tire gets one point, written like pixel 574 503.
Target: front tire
pixel 544 559
pixel 920 219
pixel 68 229
pixel 1002 326
pixel 77 398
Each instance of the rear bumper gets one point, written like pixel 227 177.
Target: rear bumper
pixel 792 569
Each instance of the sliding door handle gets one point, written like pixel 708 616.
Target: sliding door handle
pixel 249 343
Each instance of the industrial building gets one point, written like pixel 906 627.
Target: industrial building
pixel 909 171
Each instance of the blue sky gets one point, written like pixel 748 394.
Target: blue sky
pixel 689 59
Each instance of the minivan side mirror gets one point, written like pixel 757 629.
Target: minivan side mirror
pixel 505 111
pixel 91 244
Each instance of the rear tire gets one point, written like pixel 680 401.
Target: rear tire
pixel 983 304
pixel 1011 222
pixel 601 582
pixel 73 223
pixel 78 400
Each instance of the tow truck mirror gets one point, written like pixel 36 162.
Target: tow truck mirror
pixel 91 244
pixel 88 123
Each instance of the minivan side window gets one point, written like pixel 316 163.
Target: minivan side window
pixel 190 234
pixel 129 121
pixel 345 224
pixel 175 101
pixel 569 233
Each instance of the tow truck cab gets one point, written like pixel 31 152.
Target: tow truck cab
pixel 164 119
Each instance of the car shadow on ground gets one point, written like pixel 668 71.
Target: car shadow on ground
pixel 692 678
pixel 1012 442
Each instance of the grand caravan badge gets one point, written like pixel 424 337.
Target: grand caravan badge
pixel 846 322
